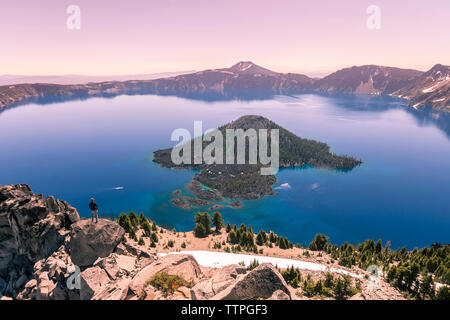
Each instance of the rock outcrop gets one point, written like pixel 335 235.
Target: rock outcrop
pixel 93 281
pixel 117 265
pixel 279 295
pixel 31 228
pixel 261 282
pixel 90 241
pixel 220 280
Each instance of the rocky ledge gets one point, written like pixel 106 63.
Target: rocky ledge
pixel 31 228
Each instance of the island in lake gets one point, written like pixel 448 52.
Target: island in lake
pixel 218 182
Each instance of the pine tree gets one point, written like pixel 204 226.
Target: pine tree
pixel 282 243
pixel 134 219
pixel 132 234
pixel 217 221
pixel 338 289
pixel 250 239
pixel 142 219
pixel 232 237
pixel 426 287
pixel 147 228
pixel 328 280
pixel 261 238
pixel 203 218
pixel 199 230
pixel 124 222
pixel 319 243
pixel 378 246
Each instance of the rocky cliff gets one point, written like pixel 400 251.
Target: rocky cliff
pixel 31 228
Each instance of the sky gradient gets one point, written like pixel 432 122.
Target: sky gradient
pixel 149 36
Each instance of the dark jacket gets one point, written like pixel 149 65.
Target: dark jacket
pixel 93 206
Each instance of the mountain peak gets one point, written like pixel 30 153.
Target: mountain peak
pixel 248 67
pixel 251 122
pixel 439 68
pixel 242 66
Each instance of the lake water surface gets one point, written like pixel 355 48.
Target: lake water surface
pixel 103 148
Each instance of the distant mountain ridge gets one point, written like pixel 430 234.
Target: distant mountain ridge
pixel 246 79
pixel 11 79
pixel 430 88
pixel 368 79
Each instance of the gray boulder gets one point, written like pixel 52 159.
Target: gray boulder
pixel 114 291
pixel 90 241
pixel 117 265
pixel 261 282
pixel 130 248
pixel 279 295
pixel 93 281
pixel 220 280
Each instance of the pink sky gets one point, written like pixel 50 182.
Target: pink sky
pixel 147 36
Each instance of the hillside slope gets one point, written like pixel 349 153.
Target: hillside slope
pixel 431 88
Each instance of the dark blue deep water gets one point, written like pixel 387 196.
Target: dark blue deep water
pixel 103 148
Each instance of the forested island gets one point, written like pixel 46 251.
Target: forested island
pixel 245 181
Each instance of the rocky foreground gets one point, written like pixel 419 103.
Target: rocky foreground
pixel 48 253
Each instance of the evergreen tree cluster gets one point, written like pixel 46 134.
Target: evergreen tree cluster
pixel 292 276
pixel 413 272
pixel 203 223
pixel 245 238
pixel 339 288
pixel 132 223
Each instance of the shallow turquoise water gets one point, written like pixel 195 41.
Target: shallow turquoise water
pixel 103 147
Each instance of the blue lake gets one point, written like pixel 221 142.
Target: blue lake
pixel 103 148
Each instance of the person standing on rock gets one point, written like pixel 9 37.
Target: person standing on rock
pixel 94 209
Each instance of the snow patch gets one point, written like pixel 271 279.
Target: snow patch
pixel 214 259
pixel 430 89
